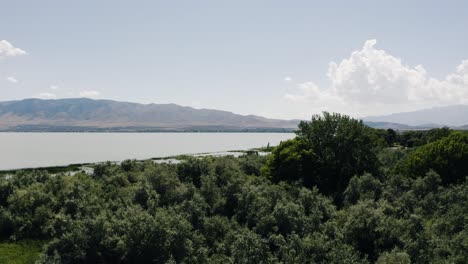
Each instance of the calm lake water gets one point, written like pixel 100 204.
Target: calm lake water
pixel 30 150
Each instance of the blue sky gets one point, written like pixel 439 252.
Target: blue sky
pixel 271 58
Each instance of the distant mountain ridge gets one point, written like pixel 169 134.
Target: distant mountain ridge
pixel 397 126
pixel 82 114
pixel 452 116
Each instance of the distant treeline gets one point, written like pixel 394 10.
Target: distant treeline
pixel 413 138
pixel 339 192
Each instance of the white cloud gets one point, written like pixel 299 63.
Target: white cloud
pixel 196 104
pixel 287 79
pixel 54 87
pixel 89 93
pixel 8 50
pixel 12 79
pixel 309 91
pixel 46 96
pixel 371 81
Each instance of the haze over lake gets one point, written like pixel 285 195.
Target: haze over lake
pixel 29 150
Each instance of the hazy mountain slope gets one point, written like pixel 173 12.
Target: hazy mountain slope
pixel 456 115
pixel 107 114
pixel 396 126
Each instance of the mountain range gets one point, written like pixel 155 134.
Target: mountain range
pixel 451 116
pixel 82 114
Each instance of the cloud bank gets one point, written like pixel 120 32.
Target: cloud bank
pixel 46 96
pixel 12 79
pixel 371 81
pixel 89 93
pixel 8 50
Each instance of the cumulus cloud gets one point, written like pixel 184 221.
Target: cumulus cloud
pixel 308 91
pixel 287 79
pixel 371 81
pixel 54 87
pixel 11 79
pixel 46 96
pixel 8 50
pixel 89 93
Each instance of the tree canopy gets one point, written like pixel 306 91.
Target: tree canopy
pixel 447 156
pixel 327 152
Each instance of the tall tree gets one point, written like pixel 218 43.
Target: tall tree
pixel 327 152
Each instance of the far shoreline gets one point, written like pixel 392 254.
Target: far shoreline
pixel 77 167
pixel 155 132
pixel 247 130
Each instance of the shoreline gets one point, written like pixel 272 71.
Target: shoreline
pixel 76 167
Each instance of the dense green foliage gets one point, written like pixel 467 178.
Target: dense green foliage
pixel 334 194
pixel 413 138
pixel 326 153
pixel 448 157
pixel 25 252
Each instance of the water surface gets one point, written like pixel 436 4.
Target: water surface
pixel 30 150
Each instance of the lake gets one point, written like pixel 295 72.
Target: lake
pixel 31 150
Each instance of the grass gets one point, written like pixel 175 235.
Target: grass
pixel 20 252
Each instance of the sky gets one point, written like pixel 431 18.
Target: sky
pixel 279 59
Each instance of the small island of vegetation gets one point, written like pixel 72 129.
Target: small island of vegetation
pixel 339 192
